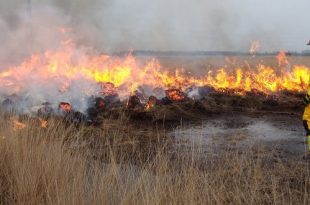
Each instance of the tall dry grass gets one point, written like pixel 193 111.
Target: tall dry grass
pixel 68 165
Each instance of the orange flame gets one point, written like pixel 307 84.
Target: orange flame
pixel 255 45
pixel 43 123
pixel 66 66
pixel 175 95
pixel 17 125
pixel 282 59
pixel 151 103
pixel 66 107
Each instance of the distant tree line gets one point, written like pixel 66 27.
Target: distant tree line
pixel 205 53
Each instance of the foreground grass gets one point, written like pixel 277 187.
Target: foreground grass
pixel 114 165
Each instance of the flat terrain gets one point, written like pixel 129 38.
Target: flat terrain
pixel 280 132
pixel 221 149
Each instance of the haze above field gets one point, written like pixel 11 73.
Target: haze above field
pixel 179 25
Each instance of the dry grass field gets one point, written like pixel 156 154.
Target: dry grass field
pixel 121 164
pixel 204 63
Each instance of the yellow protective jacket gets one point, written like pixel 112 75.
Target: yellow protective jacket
pixel 306 115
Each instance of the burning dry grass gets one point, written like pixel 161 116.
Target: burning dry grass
pixel 120 163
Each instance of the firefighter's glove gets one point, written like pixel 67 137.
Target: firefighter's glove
pixel 307 100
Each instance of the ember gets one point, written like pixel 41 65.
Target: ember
pixel 100 103
pixel 176 95
pixel 65 107
pixel 43 123
pixel 151 103
pixel 17 125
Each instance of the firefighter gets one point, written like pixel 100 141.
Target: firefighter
pixel 306 117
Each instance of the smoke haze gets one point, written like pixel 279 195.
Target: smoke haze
pixel 97 26
pixel 116 25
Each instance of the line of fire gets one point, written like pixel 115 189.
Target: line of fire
pixel 79 88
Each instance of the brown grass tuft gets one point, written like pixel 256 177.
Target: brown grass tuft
pixel 115 165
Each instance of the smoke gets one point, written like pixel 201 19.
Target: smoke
pixel 117 25
pixel 114 25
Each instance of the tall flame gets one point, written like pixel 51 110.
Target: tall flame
pixel 67 66
pixel 255 45
pixel 282 59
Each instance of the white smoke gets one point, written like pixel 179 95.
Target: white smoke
pixel 116 25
